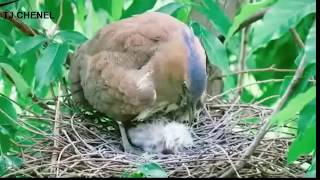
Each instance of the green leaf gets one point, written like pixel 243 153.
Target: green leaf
pixel 294 106
pixel 49 66
pixel 67 18
pixel 72 37
pixel 307 115
pixel 116 9
pixel 304 144
pixel 138 7
pixel 247 11
pixel 310 45
pixel 28 67
pixel 6 27
pixel 136 175
pixel 6 137
pixel 152 170
pixel 215 14
pixel 216 52
pixel 113 7
pixel 7 126
pixel 9 162
pixel 18 80
pixel 302 85
pixel 282 16
pixel 183 13
pixel 170 8
pixel 7 111
pixel 7 86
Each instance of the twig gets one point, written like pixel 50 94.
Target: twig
pixel 23 126
pixel 21 106
pixel 56 131
pixel 231 163
pixel 269 69
pixel 267 98
pixel 243 52
pixel 19 24
pixel 297 38
pixel 245 85
pixel 264 129
pixel 77 134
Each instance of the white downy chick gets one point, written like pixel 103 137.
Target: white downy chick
pixel 161 137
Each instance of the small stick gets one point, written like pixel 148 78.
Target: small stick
pixel 56 130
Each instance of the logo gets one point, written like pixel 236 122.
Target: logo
pixel 25 15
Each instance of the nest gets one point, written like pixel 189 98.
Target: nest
pixel 83 147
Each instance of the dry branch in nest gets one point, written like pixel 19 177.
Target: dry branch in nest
pixel 85 148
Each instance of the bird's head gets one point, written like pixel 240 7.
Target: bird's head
pixel 196 78
pixel 180 62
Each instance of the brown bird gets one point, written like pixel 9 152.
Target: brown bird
pixel 138 63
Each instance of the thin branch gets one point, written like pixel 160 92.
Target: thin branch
pixel 264 129
pixel 243 86
pixel 56 129
pixel 297 38
pixel 243 52
pixel 20 105
pixel 269 69
pixel 19 24
pixel 40 103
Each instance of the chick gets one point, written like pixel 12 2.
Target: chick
pixel 161 137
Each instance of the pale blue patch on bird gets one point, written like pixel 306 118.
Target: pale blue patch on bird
pixel 196 71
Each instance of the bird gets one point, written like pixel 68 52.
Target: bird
pixel 138 63
pixel 161 136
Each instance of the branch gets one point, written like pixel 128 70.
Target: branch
pixel 269 69
pixel 19 24
pixel 243 53
pixel 264 129
pixel 297 38
pixel 243 86
pixel 56 129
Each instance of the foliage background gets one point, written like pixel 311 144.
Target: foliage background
pixel 258 61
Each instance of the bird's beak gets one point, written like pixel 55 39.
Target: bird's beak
pixel 192 109
pixel 191 104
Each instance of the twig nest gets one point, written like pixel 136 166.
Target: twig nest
pixel 220 135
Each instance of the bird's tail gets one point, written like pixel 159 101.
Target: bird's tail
pixel 161 137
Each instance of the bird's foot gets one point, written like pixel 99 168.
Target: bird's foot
pixel 125 142
pixel 128 148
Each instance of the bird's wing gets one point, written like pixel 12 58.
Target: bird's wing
pixel 110 87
